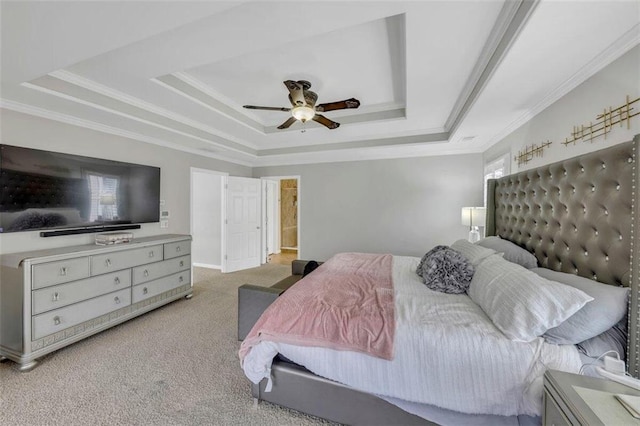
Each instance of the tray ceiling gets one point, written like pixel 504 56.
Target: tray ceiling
pixel 433 77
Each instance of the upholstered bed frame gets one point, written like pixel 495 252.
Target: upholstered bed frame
pixel 579 216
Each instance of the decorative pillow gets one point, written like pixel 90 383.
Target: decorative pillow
pixel 614 339
pixel 511 251
pixel 473 252
pixel 522 304
pixel 445 270
pixel 609 306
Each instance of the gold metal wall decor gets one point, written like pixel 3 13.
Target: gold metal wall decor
pixel 604 123
pixel 530 151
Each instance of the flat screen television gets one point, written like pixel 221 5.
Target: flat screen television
pixel 44 190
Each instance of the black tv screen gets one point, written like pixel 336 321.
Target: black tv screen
pixel 51 190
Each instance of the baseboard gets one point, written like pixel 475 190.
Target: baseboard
pixel 207 265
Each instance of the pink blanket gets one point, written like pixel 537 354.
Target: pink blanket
pixel 346 304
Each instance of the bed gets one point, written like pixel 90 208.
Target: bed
pixel 577 216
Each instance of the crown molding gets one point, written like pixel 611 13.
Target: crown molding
pixel 511 20
pixel 93 86
pixel 92 125
pixel 131 117
pixel 215 102
pixel 618 48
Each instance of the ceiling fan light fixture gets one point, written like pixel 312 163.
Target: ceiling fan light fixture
pixel 303 113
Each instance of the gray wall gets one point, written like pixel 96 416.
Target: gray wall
pixel 400 206
pixel 606 88
pixel 33 132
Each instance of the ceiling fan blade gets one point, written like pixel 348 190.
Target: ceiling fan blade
pixel 325 121
pixel 296 92
pixel 331 106
pixel 267 108
pixel 287 123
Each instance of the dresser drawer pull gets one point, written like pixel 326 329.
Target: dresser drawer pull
pixel 107 263
pixel 116 280
pixel 178 248
pixel 63 271
pixel 116 299
pixel 56 297
pixel 181 263
pixel 180 278
pixel 151 254
pixel 57 320
pixel 146 273
pixel 145 291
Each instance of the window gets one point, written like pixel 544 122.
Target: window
pixel 496 169
pixel 104 197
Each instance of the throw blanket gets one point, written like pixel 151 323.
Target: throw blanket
pixel 346 304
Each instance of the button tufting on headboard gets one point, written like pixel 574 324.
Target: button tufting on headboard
pixel 573 215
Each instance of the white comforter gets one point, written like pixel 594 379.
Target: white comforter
pixel 448 354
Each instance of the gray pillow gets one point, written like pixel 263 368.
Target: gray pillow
pixel 445 270
pixel 608 307
pixel 511 251
pixel 614 339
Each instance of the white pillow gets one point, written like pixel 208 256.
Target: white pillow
pixel 512 252
pixel 522 304
pixel 473 252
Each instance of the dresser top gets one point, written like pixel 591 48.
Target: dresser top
pixel 14 260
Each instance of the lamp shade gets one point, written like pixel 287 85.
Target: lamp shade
pixel 474 216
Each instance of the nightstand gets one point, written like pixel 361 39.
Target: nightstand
pixel 572 399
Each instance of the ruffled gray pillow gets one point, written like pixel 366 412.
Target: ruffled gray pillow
pixel 445 270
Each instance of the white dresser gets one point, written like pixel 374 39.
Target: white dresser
pixel 52 298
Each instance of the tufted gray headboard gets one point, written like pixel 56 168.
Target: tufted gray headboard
pixel 578 216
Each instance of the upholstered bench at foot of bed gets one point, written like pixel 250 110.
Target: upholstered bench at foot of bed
pixel 253 299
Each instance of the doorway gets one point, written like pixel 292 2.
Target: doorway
pixel 281 219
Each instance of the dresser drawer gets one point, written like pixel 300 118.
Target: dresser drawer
pixel 46 274
pixel 57 296
pixel 104 263
pixel 176 249
pixel 152 271
pixel 153 288
pixel 60 319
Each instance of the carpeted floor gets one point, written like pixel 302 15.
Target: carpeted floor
pixel 177 365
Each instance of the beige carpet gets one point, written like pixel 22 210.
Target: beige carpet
pixel 177 365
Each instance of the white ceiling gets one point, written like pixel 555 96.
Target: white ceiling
pixel 433 77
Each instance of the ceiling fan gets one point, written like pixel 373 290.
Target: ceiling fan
pixel 303 105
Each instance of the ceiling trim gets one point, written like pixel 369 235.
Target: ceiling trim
pixel 618 48
pixel 204 95
pixel 511 20
pixel 364 154
pixel 101 89
pixel 92 125
pixel 129 116
pixel 247 151
pixel 197 91
pixel 364 143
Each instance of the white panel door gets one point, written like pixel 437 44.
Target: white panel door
pixel 242 224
